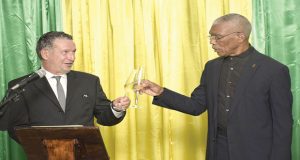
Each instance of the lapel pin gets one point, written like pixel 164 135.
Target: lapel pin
pixel 85 96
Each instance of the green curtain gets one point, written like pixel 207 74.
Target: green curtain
pixel 276 33
pixel 21 23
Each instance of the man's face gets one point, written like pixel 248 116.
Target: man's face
pixel 60 58
pixel 224 38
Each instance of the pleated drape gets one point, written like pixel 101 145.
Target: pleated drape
pixel 21 23
pixel 168 38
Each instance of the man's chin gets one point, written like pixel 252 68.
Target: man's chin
pixel 65 71
pixel 221 54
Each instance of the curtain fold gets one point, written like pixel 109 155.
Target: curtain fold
pixel 168 38
pixel 76 18
pixel 277 35
pixel 22 22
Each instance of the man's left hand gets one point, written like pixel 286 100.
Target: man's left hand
pixel 121 103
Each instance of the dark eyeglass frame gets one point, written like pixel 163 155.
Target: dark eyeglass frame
pixel 219 37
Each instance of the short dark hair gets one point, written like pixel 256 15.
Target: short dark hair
pixel 46 40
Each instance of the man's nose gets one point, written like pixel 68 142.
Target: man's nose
pixel 212 41
pixel 71 56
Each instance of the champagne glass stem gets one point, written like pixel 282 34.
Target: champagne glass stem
pixel 136 98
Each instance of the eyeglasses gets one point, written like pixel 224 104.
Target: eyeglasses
pixel 219 37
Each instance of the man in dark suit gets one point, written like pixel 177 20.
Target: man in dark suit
pixel 63 96
pixel 246 94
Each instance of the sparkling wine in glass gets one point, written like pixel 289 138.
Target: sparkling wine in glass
pixel 132 82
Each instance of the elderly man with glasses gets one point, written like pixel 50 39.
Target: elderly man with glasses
pixel 247 96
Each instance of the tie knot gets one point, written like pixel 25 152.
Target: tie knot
pixel 57 78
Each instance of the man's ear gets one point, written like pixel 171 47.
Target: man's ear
pixel 242 36
pixel 44 53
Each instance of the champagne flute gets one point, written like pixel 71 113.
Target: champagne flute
pixel 134 80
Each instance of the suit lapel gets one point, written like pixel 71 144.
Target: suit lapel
pixel 71 86
pixel 45 88
pixel 249 70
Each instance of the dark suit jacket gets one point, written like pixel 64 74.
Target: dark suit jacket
pixel 85 100
pixel 260 120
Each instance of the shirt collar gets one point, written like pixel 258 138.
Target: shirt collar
pixel 242 55
pixel 246 53
pixel 51 75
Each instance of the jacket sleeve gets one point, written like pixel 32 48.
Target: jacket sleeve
pixel 103 111
pixel 17 115
pixel 194 105
pixel 281 108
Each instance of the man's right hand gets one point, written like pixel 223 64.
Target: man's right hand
pixel 150 88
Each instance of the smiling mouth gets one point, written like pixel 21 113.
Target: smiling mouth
pixel 69 64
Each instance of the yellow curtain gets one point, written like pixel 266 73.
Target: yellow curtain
pixel 168 38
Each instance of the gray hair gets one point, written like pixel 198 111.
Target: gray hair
pixel 241 21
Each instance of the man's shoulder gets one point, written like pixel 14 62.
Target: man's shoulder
pixel 214 61
pixel 268 60
pixel 16 80
pixel 81 74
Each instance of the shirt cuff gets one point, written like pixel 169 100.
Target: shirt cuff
pixel 118 114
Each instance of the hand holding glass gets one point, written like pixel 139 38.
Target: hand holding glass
pixel 134 80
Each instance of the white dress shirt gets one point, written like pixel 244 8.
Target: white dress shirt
pixel 52 82
pixel 63 81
